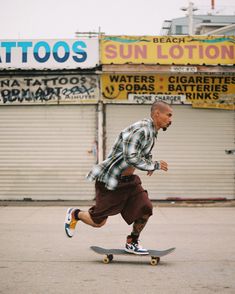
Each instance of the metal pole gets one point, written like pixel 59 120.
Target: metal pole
pixel 100 131
pixel 190 18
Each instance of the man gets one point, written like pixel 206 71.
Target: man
pixel 118 190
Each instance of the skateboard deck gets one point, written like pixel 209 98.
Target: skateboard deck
pixel 109 253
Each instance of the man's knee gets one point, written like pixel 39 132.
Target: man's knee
pixel 96 225
pixel 148 209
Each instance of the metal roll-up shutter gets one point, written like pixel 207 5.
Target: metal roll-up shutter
pixel 44 151
pixel 194 147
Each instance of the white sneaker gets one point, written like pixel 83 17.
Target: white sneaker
pixel 136 248
pixel 70 222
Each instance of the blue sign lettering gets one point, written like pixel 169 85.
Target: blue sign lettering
pixel 36 49
pixel 79 51
pixel 56 48
pixel 25 46
pixel 8 46
pixel 43 51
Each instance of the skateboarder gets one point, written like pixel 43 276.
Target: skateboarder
pixel 118 189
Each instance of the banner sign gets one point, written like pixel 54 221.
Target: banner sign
pixel 185 50
pixel 151 98
pixel 64 89
pixel 49 54
pixel 172 88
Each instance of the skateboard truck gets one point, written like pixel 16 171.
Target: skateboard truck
pixel 109 257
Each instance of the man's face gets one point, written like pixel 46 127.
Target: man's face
pixel 162 119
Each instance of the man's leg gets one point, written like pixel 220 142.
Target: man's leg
pixel 132 243
pixel 138 227
pixel 97 214
pixel 74 215
pixel 85 217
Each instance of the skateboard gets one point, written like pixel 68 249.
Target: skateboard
pixel 109 253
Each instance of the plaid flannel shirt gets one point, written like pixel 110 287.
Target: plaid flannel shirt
pixel 132 148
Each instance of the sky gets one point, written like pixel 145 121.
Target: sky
pixel 60 19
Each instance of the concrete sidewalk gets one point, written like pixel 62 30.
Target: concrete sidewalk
pixel 37 258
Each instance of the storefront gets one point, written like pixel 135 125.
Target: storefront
pixel 196 75
pixel 46 151
pixel 49 92
pixel 194 147
pixel 60 113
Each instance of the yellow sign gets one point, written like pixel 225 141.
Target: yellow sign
pixel 226 102
pixel 196 50
pixel 174 88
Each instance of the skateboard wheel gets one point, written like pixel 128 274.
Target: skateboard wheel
pixel 108 258
pixel 155 260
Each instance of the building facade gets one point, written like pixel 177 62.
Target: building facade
pixel 202 25
pixel 60 113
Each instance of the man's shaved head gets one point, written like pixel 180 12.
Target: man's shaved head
pixel 159 105
pixel 161 114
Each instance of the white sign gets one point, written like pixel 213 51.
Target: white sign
pixel 49 54
pixel 183 69
pixel 150 98
pixel 61 89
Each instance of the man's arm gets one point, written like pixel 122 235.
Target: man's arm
pixel 133 145
pixel 162 165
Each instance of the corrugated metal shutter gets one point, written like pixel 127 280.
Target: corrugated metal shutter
pixel 194 147
pixel 44 151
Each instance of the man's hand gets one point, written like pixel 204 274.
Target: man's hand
pixel 163 165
